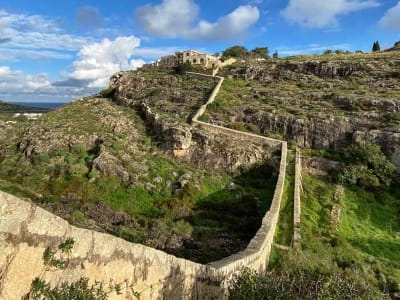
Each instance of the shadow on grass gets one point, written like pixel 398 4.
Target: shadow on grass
pixel 225 221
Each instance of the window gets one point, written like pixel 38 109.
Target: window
pixel 202 60
pixel 194 61
pixel 187 53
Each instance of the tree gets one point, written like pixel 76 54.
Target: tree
pixel 275 55
pixel 260 52
pixel 367 166
pixel 181 69
pixel 235 51
pixel 376 47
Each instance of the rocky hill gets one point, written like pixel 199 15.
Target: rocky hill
pixel 319 102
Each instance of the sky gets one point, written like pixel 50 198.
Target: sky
pixel 57 51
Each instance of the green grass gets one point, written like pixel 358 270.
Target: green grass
pixel 370 224
pixel 366 234
pixel 284 232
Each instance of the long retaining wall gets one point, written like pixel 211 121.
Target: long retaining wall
pixel 122 267
pixel 297 200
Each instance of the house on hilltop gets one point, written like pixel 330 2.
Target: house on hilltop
pixel 191 56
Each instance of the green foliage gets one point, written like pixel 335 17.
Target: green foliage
pixel 49 255
pixel 78 216
pixel 260 52
pixel 181 69
pixel 376 47
pixel 392 118
pixel 235 51
pixel 299 283
pixel 67 245
pixel 80 290
pixel 108 92
pixel 366 166
pixel 118 145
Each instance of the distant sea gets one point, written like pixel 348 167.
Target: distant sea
pixel 49 105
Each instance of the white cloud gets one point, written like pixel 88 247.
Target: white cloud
pixel 16 85
pixel 24 35
pixel 391 19
pixel 7 54
pixel 322 14
pixel 169 18
pixel 177 18
pixel 96 62
pixel 14 81
pixel 230 26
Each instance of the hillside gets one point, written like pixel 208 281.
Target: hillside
pixel 320 102
pixel 132 162
pixel 138 170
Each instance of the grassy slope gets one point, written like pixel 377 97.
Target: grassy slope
pixel 366 235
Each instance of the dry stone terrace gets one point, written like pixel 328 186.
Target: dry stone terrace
pixel 26 231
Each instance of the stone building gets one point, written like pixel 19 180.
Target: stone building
pixel 191 56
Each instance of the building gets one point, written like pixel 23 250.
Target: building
pixel 191 56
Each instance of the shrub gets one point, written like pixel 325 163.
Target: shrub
pixel 108 93
pixel 300 284
pixel 366 166
pixel 181 69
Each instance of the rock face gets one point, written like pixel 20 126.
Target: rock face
pixel 319 104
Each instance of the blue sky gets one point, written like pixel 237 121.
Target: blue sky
pixel 56 51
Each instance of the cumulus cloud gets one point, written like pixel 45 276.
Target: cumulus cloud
pixel 177 18
pixel 169 18
pixel 232 25
pixel 88 17
pixel 96 62
pixel 16 85
pixel 391 20
pixel 17 81
pixel 322 14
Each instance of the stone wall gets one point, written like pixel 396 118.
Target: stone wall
pixel 27 230
pixel 297 200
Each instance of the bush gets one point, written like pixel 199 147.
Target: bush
pixel 366 166
pixel 300 284
pixel 108 93
pixel 181 69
